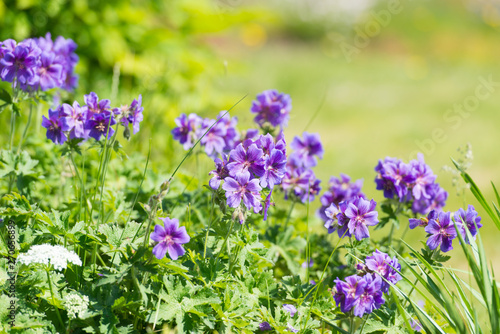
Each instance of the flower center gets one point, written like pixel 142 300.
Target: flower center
pixel 169 240
pixel 101 127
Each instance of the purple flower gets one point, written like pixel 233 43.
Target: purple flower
pixel 272 108
pixel 442 232
pixel 243 161
pixel 305 264
pixel 308 149
pixel 371 297
pixel 274 169
pixel 169 238
pixel 423 177
pixel 267 204
pixel 231 136
pixel 290 328
pixel 348 292
pixel 415 325
pixel 94 106
pixel 341 189
pixel 133 114
pixel 7 46
pixel 301 183
pixel 386 267
pixel 423 221
pixel 49 72
pixel 331 222
pixel 186 130
pixel 470 219
pixel 394 177
pixel 56 126
pixel 436 201
pixel 100 125
pixel 265 326
pixel 21 64
pixel 76 117
pixel 219 173
pixel 214 139
pixel 243 188
pixel 361 214
pixel 290 309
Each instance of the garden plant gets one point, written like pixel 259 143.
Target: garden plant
pixel 93 241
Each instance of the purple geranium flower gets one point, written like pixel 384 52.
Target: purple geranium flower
pixel 300 182
pixel 267 204
pixel 423 221
pixel 95 107
pixel 348 291
pixel 49 72
pixel 341 189
pixel 331 222
pixel 272 108
pixel 187 129
pixel 214 139
pixel 56 126
pixel 371 297
pixel 100 125
pixel 361 214
pixel 469 219
pixel 386 267
pixel 169 238
pixel 308 149
pixel 265 326
pixel 133 114
pixel 275 168
pixel 423 177
pixel 76 117
pixel 21 64
pixel 232 136
pixel 243 188
pixel 243 161
pixel 290 309
pixel 219 173
pixel 442 232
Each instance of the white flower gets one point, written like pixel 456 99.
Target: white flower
pixel 75 304
pixel 47 254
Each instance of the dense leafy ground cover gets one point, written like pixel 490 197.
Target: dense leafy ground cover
pixel 118 219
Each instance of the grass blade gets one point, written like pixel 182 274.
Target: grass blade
pixel 477 193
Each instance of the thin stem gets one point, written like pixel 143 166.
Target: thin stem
pixel 82 186
pixel 12 128
pixel 135 200
pixel 209 225
pixel 363 324
pixel 53 299
pixel 320 281
pixel 25 129
pixel 289 215
pixel 308 253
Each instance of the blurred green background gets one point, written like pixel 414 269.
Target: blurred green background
pixel 373 78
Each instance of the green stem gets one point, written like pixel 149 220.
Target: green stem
pixel 25 129
pixel 289 215
pixel 363 325
pixel 53 299
pixel 82 185
pixel 209 225
pixel 224 243
pixel 12 129
pixel 318 285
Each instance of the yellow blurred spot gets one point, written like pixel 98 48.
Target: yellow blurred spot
pixel 416 68
pixel 491 15
pixel 253 35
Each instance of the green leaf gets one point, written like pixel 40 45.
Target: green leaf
pixel 477 193
pixel 5 96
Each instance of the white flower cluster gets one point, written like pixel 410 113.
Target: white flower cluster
pixel 47 254
pixel 75 304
